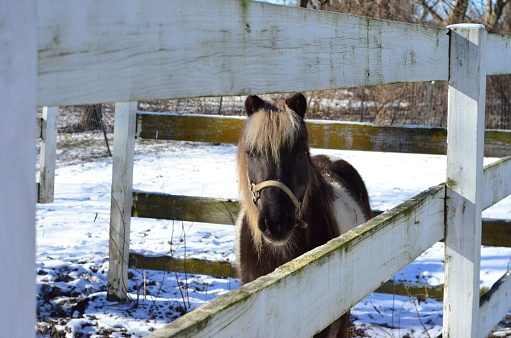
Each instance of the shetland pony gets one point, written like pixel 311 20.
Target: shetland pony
pixel 291 201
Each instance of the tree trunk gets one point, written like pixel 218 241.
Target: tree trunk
pixel 494 13
pixel 458 12
pixel 302 3
pixel 90 117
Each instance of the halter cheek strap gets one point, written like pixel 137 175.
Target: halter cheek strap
pixel 256 188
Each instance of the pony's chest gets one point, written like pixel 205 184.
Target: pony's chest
pixel 348 212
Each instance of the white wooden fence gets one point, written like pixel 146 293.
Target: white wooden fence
pixel 170 49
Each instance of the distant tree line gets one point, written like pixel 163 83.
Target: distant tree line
pixel 494 14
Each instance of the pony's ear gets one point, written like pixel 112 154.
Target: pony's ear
pixel 298 103
pixel 253 104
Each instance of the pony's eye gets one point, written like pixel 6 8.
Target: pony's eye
pixel 251 154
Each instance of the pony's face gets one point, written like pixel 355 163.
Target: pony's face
pixel 276 149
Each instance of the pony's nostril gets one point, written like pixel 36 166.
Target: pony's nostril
pixel 263 224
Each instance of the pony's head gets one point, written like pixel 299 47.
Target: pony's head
pixel 274 167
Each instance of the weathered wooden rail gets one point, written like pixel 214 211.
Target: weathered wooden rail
pixel 322 134
pixel 495 232
pixel 414 219
pixel 226 269
pixel 60 50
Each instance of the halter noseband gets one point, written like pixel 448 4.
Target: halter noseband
pixel 256 188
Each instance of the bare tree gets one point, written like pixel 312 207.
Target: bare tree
pixel 494 11
pixel 443 12
pixel 380 9
pixel 90 118
pixel 447 12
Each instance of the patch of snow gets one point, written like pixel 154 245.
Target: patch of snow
pixel 73 232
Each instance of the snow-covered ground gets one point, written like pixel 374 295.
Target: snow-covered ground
pixel 72 244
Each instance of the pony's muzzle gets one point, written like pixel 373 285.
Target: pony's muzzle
pixel 276 232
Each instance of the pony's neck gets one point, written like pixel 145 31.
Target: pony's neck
pixel 318 210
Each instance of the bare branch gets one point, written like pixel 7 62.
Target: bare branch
pixel 458 12
pixel 432 11
pixel 494 13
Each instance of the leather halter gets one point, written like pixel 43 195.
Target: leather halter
pixel 256 188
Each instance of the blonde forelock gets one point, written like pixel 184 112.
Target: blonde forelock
pixel 270 129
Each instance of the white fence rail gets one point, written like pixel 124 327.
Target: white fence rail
pixel 169 49
pixel 498 49
pixel 496 182
pixel 225 47
pixel 285 301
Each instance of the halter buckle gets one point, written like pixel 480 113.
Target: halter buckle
pixel 255 193
pixel 298 208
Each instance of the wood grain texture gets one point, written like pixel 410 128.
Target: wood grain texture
pixel 463 207
pixel 169 49
pixel 48 155
pixel 188 265
pixel 194 128
pixel 499 54
pixel 185 208
pixel 496 182
pixel 378 243
pixel 495 304
pixel 367 137
pixel 18 62
pixel 121 202
pixel 323 134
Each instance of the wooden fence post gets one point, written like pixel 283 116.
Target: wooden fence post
pixel 122 200
pixel 18 95
pixel 48 155
pixel 465 139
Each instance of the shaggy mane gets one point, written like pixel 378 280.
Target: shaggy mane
pixel 265 132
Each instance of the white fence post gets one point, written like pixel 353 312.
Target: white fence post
pixel 122 199
pixel 465 139
pixel 18 94
pixel 48 155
